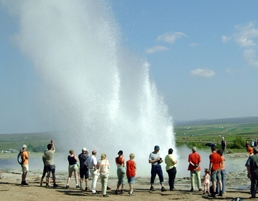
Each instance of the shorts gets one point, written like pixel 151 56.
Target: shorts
pixel 130 180
pixel 215 175
pixel 121 175
pixel 84 172
pixel 25 167
pixel 50 168
pixel 72 168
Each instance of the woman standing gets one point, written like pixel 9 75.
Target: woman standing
pixel 171 169
pixel 72 168
pixel 120 171
pixel 222 173
pixel 104 173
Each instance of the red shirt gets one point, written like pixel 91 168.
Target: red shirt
pixel 120 160
pixel 215 159
pixel 130 168
pixel 195 159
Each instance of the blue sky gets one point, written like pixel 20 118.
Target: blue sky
pixel 202 55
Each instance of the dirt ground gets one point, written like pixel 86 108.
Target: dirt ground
pixel 237 185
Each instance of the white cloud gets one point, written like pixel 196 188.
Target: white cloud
pixel 250 57
pixel 200 72
pixel 156 49
pixel 171 37
pixel 225 38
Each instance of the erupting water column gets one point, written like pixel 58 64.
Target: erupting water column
pixel 95 94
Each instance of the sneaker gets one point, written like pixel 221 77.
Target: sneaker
pixel 86 188
pixel 116 191
pixel 47 185
pixel 173 189
pixel 200 189
pixel 163 189
pixel 108 188
pixel 67 186
pixel 131 194
pixel 55 185
pixel 77 186
pixel 122 191
pixel 191 190
pixel 152 188
pixel 95 193
pixel 106 195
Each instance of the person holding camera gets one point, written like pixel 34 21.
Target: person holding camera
pixel 194 160
pixel 171 169
pixel 155 161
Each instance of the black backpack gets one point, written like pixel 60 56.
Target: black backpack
pixel 20 158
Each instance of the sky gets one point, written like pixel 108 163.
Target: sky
pixel 202 55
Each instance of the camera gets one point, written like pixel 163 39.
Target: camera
pixel 160 160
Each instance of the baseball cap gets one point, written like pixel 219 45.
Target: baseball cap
pixel 24 146
pixel 194 149
pixel 84 149
pixel 156 147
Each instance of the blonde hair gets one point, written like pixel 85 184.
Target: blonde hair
pixel 131 156
pixel 71 151
pixel 103 156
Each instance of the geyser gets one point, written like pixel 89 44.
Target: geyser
pixel 95 93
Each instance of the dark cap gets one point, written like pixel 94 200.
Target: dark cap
pixel 156 147
pixel 120 152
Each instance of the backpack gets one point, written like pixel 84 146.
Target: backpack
pixel 20 158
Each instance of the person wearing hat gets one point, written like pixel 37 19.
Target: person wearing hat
pixel 194 160
pixel 25 164
pixel 252 170
pixel 84 171
pixel 155 160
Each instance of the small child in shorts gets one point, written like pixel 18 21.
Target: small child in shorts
pixel 131 172
pixel 206 181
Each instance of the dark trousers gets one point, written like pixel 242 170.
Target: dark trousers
pixel 254 182
pixel 156 169
pixel 171 177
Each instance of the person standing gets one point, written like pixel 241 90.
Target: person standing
pixel 92 165
pixel 84 171
pixel 194 167
pixel 223 144
pixel 72 168
pixel 131 172
pixel 247 144
pixel 222 173
pixel 104 173
pixel 155 160
pixel 120 163
pixel 49 162
pixel 252 169
pixel 214 167
pixel 25 164
pixel 171 169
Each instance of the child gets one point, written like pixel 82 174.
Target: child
pixel 206 181
pixel 131 172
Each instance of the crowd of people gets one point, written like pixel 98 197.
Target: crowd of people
pixel 84 165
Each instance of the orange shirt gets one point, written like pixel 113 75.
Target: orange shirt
pixel 222 166
pixel 25 157
pixel 215 159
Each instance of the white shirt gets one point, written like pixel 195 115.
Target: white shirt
pixel 91 162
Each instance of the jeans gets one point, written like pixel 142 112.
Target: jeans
pixel 171 177
pixel 104 181
pixel 196 174
pixel 223 175
pixel 156 169
pixel 95 176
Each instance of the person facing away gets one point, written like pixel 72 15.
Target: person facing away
pixel 120 163
pixel 50 164
pixel 155 160
pixel 25 164
pixel 222 174
pixel 131 172
pixel 171 169
pixel 252 171
pixel 194 167
pixel 206 181
pixel 72 168
pixel 223 144
pixel 92 165
pixel 214 167
pixel 104 173
pixel 44 172
pixel 84 171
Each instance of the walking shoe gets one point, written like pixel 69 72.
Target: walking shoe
pixel 163 189
pixel 47 185
pixel 131 194
pixel 106 195
pixel 200 189
pixel 122 191
pixel 24 183
pixel 191 190
pixel 152 188
pixel 67 186
pixel 55 185
pixel 77 186
pixel 86 188
pixel 108 188
pixel 95 193
pixel 173 189
pixel 116 192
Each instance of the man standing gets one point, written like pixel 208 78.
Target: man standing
pixel 49 162
pixel 92 165
pixel 223 145
pixel 252 169
pixel 155 161
pixel 25 164
pixel 84 171
pixel 215 164
pixel 194 160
